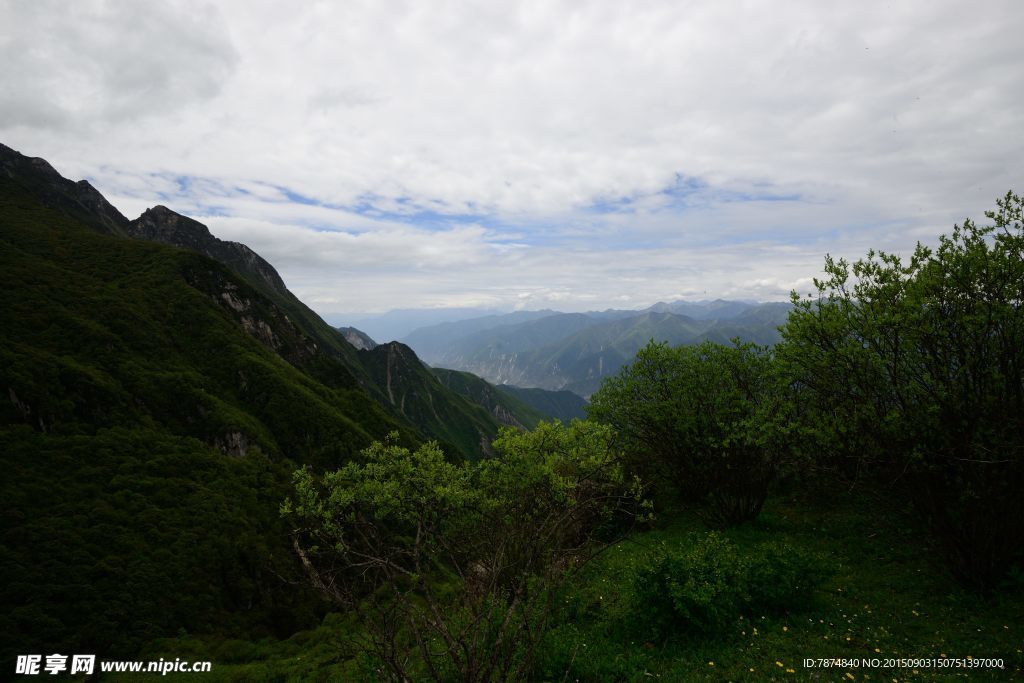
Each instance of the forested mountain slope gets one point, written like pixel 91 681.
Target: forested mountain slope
pixel 154 401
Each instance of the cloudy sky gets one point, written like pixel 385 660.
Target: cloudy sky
pixel 574 155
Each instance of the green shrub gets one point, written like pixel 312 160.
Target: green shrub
pixel 706 584
pixel 712 421
pixel 913 373
pixel 699 587
pixel 781 578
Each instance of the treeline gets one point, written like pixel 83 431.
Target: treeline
pixel 906 377
pixel 901 377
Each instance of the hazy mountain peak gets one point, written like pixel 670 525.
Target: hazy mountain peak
pixel 357 338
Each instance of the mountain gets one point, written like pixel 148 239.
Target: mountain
pixel 415 394
pixel 576 351
pixel 494 350
pixel 561 405
pixel 718 309
pixel 396 324
pixel 357 338
pixel 433 340
pixel 160 224
pixel 158 387
pixel 505 406
pixel 49 189
pixel 333 353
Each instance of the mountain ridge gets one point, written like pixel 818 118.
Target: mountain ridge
pixel 281 322
pixel 576 351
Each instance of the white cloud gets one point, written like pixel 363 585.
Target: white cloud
pixel 72 67
pixel 888 121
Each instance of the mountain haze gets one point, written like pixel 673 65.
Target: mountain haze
pixel 576 351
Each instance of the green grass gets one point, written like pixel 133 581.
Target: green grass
pixel 887 596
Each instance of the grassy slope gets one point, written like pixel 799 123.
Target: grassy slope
pixel 888 597
pixel 888 591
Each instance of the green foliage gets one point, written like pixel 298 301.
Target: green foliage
pixel 699 588
pixel 707 583
pixel 504 406
pixel 917 372
pixel 123 536
pixel 712 420
pixel 463 427
pixel 125 383
pixel 563 406
pixel 459 562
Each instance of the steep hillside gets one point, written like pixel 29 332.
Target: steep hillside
pixel 561 405
pixel 505 407
pixel 357 338
pixel 415 394
pixel 153 406
pixel 104 331
pixel 160 224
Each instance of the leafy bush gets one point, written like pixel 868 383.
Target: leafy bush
pixel 916 370
pixel 711 420
pixel 699 588
pixel 703 586
pixel 781 578
pixel 459 562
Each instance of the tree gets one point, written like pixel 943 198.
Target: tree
pixel 709 419
pixel 917 372
pixel 453 568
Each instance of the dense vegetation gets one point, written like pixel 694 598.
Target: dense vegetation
pixel 905 384
pixel 915 374
pixel 460 564
pixel 862 477
pixel 127 388
pixel 711 420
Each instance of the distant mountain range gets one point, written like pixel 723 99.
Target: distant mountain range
pixel 576 351
pixel 397 323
